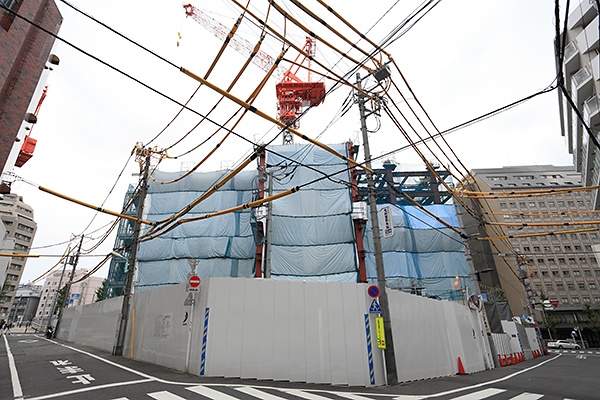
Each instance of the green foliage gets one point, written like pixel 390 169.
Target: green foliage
pixel 593 317
pixel 60 300
pixel 100 291
pixel 551 321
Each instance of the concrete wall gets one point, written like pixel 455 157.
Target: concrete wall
pixel 286 330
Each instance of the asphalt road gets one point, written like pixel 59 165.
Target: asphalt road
pixel 34 368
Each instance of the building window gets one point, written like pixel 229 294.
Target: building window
pixel 497 178
pixel 593 260
pixel 576 273
pixel 582 260
pixel 588 247
pixel 587 272
pixel 561 260
pixel 592 285
pixel 546 248
pixel 538 287
pixel 572 260
pixel 571 203
pixel 532 204
pixel 560 286
pixel 597 299
pixel 564 300
pixel 556 248
pixel 544 273
pixel 536 249
pixel 576 300
pixel 522 204
pixel 540 260
pixel 570 286
pixel 512 205
pixel 549 286
pixel 560 203
pixel 593 235
pixel 554 273
pixel 567 248
pixel 551 203
pixel 526 248
pixel 542 204
pixel 524 177
pixel 581 286
pixel 583 235
pixel 551 261
pixel 586 299
pixel 566 273
pixel 579 202
pixel 577 248
pixel 503 205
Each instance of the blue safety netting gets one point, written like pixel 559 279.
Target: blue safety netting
pixel 424 256
pixel 312 230
pixel 223 245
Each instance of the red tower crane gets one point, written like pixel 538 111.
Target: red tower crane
pixel 293 95
pixel 29 143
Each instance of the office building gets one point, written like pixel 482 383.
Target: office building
pixel 20 225
pixel 535 260
pixel 25 304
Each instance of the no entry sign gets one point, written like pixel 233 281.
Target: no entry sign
pixel 193 283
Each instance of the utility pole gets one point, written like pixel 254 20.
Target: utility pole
pixel 73 262
pixel 56 295
pixel 118 348
pixel 390 357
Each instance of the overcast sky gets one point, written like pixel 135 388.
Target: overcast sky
pixel 463 59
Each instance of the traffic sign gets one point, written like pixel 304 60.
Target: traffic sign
pixel 375 309
pixel 373 291
pixel 554 303
pixel 193 283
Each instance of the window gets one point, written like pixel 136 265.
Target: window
pixel 567 248
pixel 542 204
pixel 576 273
pixel 536 249
pixel 502 204
pixel 546 248
pixel 564 300
pixel 592 285
pixel 582 260
pixel 561 260
pixel 579 202
pixel 551 203
pixel 522 204
pixel 556 248
pixel 583 235
pixel 554 273
pixel 577 248
pixel 566 273
pixel 526 248
pixel 512 184
pixel 549 286
pixel 516 249
pixel 551 261
pixel 550 176
pixel 538 287
pixel 540 260
pixel 593 235
pixel 586 299
pixel 587 272
pixel 512 205
pixel 554 183
pixel 570 286
pixel 544 273
pixel 506 216
pixel 572 260
pixel 524 177
pixel 532 204
pixel 560 203
pixel 571 203
pixel 588 247
pixel 576 300
pixel 581 286
pixel 20 247
pixel 597 299
pixel 560 286
pixel 497 178
pixel 540 183
pixel 593 260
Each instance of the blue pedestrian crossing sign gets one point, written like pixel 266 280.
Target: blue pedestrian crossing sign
pixel 375 309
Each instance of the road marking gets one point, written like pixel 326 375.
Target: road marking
pixel 88 389
pixel 164 395
pixel 28 341
pixel 14 375
pixel 304 395
pixel 527 396
pixel 351 396
pixel 258 393
pixel 482 394
pixel 210 393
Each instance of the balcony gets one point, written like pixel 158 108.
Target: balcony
pixel 582 15
pixel 588 40
pixel 582 85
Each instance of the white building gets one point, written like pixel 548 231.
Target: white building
pixel 83 292
pixel 581 74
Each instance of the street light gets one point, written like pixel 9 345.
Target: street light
pixel 114 253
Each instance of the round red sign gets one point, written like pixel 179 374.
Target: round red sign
pixel 194 281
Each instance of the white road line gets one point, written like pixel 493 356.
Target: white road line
pixel 121 398
pixel 258 393
pixel 409 397
pixel 527 396
pixel 164 395
pixel 89 389
pixel 304 395
pixel 482 394
pixel 351 396
pixel 210 393
pixel 14 375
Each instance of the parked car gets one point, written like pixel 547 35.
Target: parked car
pixel 563 344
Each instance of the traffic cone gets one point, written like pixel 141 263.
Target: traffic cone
pixel 512 358
pixel 500 360
pixel 506 360
pixel 522 356
pixel 461 369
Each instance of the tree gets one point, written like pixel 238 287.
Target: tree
pixel 60 299
pixel 100 291
pixel 551 321
pixel 593 317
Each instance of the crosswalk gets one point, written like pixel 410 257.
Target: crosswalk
pixel 222 392
pixel 575 352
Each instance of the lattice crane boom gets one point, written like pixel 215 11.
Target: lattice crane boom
pixel 241 45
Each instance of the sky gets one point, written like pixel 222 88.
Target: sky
pixel 463 59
